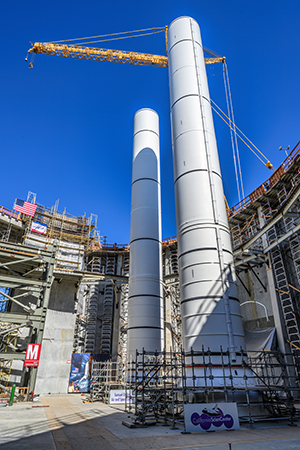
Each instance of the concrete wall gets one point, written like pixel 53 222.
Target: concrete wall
pixel 53 372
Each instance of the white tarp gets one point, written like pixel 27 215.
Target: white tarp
pixel 260 339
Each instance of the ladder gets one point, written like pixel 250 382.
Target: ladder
pixel 294 244
pixel 108 306
pixel 123 321
pixel 91 310
pixel 283 291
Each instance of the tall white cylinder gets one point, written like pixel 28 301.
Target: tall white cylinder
pixel 209 304
pixel 145 304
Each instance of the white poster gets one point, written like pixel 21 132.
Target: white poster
pixel 211 416
pixel 117 396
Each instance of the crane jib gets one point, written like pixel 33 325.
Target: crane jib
pixel 97 54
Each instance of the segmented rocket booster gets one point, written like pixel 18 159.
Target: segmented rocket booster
pixel 209 304
pixel 145 305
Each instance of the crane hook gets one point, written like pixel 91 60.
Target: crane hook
pixel 30 65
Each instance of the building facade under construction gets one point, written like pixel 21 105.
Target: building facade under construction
pixel 68 290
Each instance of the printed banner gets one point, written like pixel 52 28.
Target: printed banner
pixel 210 416
pixel 118 396
pixel 81 370
pixel 39 227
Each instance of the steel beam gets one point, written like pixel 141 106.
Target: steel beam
pixel 282 238
pixel 18 282
pixel 270 224
pixel 9 356
pixel 34 320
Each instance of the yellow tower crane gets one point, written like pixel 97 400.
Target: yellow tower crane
pixel 78 51
pixel 99 54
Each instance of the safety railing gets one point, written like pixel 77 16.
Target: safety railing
pixel 295 153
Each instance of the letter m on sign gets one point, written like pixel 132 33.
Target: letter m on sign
pixel 32 356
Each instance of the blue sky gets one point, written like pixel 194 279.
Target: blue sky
pixel 66 125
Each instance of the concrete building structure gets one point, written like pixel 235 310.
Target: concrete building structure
pixel 40 278
pixel 265 233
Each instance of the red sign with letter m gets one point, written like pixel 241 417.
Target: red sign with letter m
pixel 32 356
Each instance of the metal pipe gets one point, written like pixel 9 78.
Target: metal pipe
pixel 257 303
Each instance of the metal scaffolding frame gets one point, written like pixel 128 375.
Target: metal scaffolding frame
pixel 101 266
pixel 172 313
pixel 99 319
pixel 11 226
pixel 24 271
pixel 106 376
pixel 160 384
pixel 123 320
pixel 265 229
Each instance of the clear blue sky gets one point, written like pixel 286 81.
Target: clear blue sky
pixel 66 125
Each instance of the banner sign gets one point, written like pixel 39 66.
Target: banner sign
pixel 32 357
pixel 118 396
pixel 81 370
pixel 39 227
pixel 210 416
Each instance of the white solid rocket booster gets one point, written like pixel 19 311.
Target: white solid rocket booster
pixel 145 305
pixel 209 304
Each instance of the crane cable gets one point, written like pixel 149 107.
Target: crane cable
pixel 234 127
pixel 234 143
pixel 155 30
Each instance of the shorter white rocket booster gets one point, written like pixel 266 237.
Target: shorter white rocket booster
pixel 145 304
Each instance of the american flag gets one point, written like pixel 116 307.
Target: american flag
pixel 25 207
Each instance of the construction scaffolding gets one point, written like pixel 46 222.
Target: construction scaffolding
pixel 11 226
pixel 123 320
pixel 265 231
pixel 73 235
pixel 172 313
pixel 26 277
pixel 160 384
pixel 106 377
pixel 101 323
pixel 105 299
